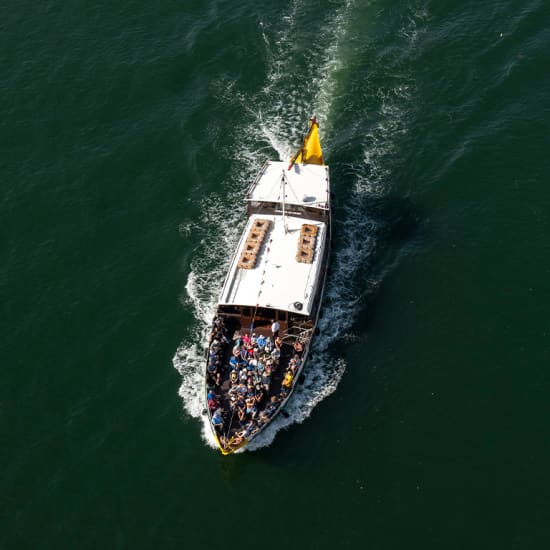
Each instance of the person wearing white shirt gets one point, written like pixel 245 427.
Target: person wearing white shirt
pixel 275 328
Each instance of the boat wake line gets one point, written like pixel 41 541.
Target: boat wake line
pixel 343 297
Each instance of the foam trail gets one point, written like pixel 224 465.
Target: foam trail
pixel 281 132
pixel 202 292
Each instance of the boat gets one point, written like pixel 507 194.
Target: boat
pixel 266 317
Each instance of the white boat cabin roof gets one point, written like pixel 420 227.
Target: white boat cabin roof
pixel 277 263
pixel 277 279
pixel 305 185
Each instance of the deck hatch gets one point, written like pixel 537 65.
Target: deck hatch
pixel 306 243
pixel 254 241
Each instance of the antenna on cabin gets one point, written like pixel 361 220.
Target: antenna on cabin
pixel 283 184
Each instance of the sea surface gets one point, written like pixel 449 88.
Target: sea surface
pixel 129 134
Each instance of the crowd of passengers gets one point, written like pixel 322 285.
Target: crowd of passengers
pixel 253 361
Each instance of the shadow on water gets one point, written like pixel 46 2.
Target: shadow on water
pixel 396 222
pixel 400 219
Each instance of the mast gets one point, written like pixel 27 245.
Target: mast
pixel 283 184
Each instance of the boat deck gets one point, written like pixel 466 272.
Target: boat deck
pixel 230 432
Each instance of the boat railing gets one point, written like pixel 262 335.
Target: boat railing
pixel 256 180
pixel 297 332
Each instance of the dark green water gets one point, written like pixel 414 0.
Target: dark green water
pixel 129 134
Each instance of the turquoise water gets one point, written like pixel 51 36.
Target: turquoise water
pixel 129 136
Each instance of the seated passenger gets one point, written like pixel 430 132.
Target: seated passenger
pixel 272 406
pixel 212 396
pixel 251 428
pixel 217 324
pixel 266 381
pixel 287 381
pixel 213 404
pixel 251 406
pixel 211 368
pixel 237 439
pixel 298 347
pixel 259 395
pixel 217 420
pixel 293 366
pixel 240 405
pixel 263 417
pixel 261 341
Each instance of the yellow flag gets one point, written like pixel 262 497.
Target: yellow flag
pixel 310 152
